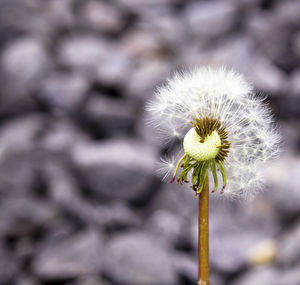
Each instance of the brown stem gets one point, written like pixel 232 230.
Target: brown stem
pixel 203 235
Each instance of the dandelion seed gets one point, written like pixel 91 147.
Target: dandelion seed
pixel 225 127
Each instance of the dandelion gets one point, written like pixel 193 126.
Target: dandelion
pixel 225 128
pixel 228 133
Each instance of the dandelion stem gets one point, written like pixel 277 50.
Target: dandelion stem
pixel 203 235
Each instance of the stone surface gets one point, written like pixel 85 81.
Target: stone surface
pixel 78 255
pixel 276 45
pixel 142 44
pixel 114 69
pixel 64 91
pixel 8 267
pixel 102 17
pixel 21 216
pixel 259 276
pixel 291 105
pixel 18 174
pixel 283 174
pixel 24 62
pixel 26 280
pixel 164 225
pixel 116 169
pixel 20 134
pixel 217 15
pixel 289 249
pixel 144 78
pixel 290 276
pixel 83 52
pixel 109 116
pixel 138 259
pixel 295 84
pixel 61 136
pixel 91 280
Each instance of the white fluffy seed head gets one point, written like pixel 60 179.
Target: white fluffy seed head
pixel 224 95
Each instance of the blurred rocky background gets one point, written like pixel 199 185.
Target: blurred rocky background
pixel 80 203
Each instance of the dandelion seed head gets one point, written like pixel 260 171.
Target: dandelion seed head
pixel 166 167
pixel 192 104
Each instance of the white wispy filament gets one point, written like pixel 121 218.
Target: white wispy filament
pixel 226 96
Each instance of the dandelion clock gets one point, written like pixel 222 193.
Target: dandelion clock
pixel 227 134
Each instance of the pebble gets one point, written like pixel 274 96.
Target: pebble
pixel 116 169
pixel 136 258
pixel 81 254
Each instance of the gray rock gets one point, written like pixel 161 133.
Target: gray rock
pixel 111 117
pixel 179 200
pixel 102 17
pixel 61 136
pixel 22 216
pixel 63 91
pixel 290 276
pixel 20 134
pixel 19 139
pixel 291 101
pixel 144 43
pixel 281 175
pixel 147 133
pixel 117 214
pixel 248 4
pixel 24 62
pixel 79 255
pixel 177 203
pixel 166 27
pixel 26 280
pixel 138 259
pixel 61 184
pixel 65 193
pixel 186 266
pixel 273 30
pixel 291 133
pixel 296 44
pixel 8 267
pixel 288 12
pixel 116 169
pixel 266 76
pixel 58 15
pixel 89 280
pixel 19 17
pixel 259 70
pixel 114 69
pixel 295 83
pixel 164 225
pixel 289 248
pixel 18 174
pixel 143 80
pixel 83 52
pixel 216 279
pixel 259 276
pixel 144 5
pixel 219 16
